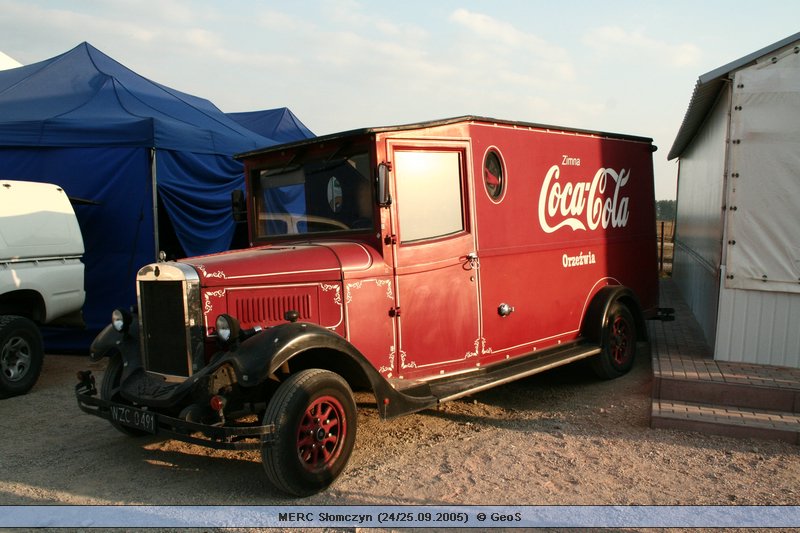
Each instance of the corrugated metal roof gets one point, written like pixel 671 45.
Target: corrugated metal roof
pixel 707 89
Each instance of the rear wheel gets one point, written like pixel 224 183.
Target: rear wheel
pixel 21 355
pixel 618 343
pixel 109 390
pixel 314 414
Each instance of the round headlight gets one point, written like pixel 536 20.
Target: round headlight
pixel 227 328
pixel 121 320
pixel 223 328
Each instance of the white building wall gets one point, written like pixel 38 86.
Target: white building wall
pixel 763 190
pixel 700 218
pixel 761 327
pixel 759 304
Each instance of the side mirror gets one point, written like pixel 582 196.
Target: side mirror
pixel 238 206
pixel 384 197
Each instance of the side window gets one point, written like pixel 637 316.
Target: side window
pixel 429 191
pixel 493 176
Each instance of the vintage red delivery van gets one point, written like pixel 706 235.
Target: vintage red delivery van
pixel 422 263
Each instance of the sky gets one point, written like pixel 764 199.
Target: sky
pixel 617 65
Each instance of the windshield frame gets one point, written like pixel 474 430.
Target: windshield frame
pixel 320 191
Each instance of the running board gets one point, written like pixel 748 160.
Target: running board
pixel 458 387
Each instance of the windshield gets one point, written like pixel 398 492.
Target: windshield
pixel 314 197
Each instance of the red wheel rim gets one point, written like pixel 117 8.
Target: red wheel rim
pixel 620 341
pixel 321 433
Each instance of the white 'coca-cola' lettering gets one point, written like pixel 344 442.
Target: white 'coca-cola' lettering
pixel 582 205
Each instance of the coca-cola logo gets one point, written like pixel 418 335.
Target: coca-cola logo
pixel 583 205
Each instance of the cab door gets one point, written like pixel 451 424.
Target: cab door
pixel 435 261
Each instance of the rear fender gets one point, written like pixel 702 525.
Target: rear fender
pixel 594 318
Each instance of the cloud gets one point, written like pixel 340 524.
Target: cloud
pixel 352 14
pixel 345 65
pixel 472 63
pixel 278 21
pixel 503 32
pixel 516 55
pixel 613 41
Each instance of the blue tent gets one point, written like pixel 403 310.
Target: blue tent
pixel 280 124
pixel 155 162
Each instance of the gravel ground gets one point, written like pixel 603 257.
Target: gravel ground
pixel 562 437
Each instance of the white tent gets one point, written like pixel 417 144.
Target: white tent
pixel 7 62
pixel 737 255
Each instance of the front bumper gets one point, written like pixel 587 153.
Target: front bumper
pixel 220 437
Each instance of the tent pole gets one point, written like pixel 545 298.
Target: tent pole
pixel 154 181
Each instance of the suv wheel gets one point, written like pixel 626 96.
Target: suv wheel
pixel 21 355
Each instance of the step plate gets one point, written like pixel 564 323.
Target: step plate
pixel 490 377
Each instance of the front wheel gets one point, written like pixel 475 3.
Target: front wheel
pixel 314 414
pixel 618 343
pixel 21 355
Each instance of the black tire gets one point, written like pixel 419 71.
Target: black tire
pixel 109 390
pixel 21 355
pixel 617 345
pixel 309 451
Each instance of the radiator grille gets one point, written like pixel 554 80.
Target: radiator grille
pixel 164 327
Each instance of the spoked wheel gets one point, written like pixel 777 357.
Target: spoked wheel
pixel 321 434
pixel 314 414
pixel 21 355
pixel 618 346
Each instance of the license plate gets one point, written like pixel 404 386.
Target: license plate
pixel 134 418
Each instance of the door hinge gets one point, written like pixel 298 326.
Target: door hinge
pixel 394 312
pixel 390 240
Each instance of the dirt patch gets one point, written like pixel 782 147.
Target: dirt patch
pixel 558 438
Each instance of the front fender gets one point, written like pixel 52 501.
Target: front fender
pixel 104 344
pixel 261 356
pixel 110 341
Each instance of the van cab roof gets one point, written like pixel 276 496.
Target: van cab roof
pixel 440 122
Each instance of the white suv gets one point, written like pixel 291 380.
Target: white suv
pixel 41 275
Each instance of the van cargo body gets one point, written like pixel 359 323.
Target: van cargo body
pixel 422 262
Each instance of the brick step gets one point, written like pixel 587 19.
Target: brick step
pixel 725 420
pixel 746 394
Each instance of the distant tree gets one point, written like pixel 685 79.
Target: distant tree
pixel 665 210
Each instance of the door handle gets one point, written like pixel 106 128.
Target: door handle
pixel 474 262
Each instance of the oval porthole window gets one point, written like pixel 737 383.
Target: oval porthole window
pixel 493 176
